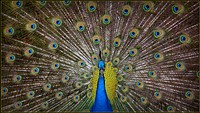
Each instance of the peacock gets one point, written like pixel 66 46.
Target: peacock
pixel 100 56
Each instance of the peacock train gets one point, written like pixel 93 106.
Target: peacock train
pixel 100 56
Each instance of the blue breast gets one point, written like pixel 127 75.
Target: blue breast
pixel 102 103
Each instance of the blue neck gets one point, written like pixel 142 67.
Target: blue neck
pixel 102 102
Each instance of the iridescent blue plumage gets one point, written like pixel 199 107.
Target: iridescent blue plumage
pixel 102 103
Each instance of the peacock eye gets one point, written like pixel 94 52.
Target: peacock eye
pixel 31 26
pixel 86 75
pixel 128 68
pixel 133 52
pixel 65 78
pixel 58 95
pixel 152 74
pixel 106 52
pixel 53 46
pixel 30 94
pixel 117 42
pixel 125 89
pixel 67 2
pixel 123 98
pixel 126 10
pixel 158 56
pixel 184 39
pixel 91 6
pixel 10 58
pixel 57 22
pixel 28 52
pixel 45 105
pixel 76 98
pixel 17 78
pixel 80 26
pixel 55 65
pixel 81 63
pixel 158 33
pixel 133 33
pixel 148 6
pixel 35 71
pixel 142 99
pixel 170 108
pixel 17 4
pixel 140 84
pixel 157 94
pixel 189 95
pixel 94 68
pixel 177 9
pixel 9 31
pixel 89 94
pixel 42 2
pixel 116 61
pixel 4 91
pixel 120 78
pixel 180 66
pixel 106 19
pixel 47 87
pixel 116 70
pixel 19 104
pixel 96 39
pixel 78 85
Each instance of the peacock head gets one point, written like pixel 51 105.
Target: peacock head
pixel 101 65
